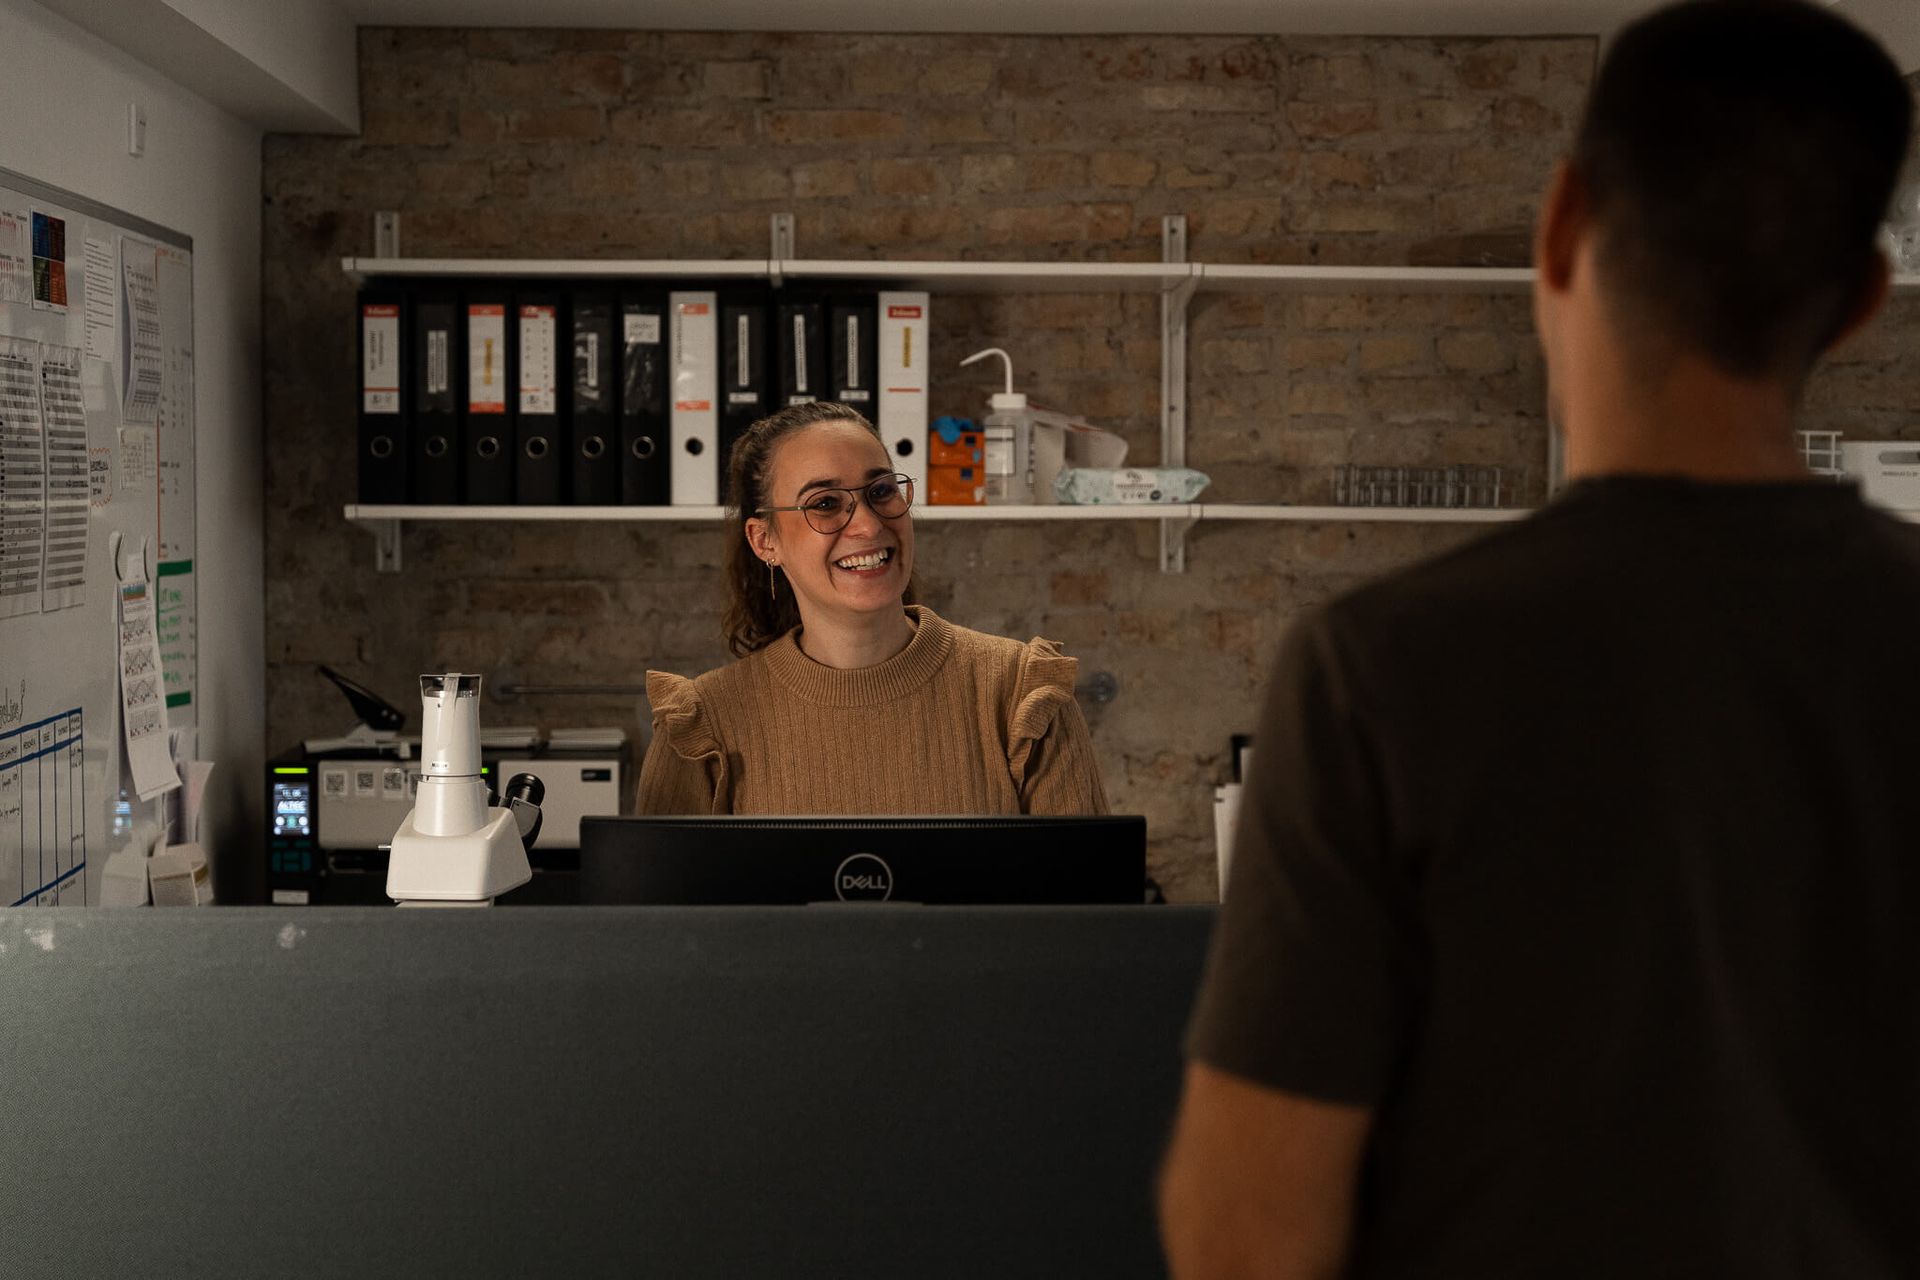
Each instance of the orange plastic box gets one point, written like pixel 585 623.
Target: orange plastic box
pixel 956 486
pixel 967 451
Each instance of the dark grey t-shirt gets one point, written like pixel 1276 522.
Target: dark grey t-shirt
pixel 1589 855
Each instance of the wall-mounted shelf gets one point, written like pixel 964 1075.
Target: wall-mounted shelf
pixel 1232 278
pixel 1174 278
pixel 972 277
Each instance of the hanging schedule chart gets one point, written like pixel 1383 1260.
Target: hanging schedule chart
pixel 43 815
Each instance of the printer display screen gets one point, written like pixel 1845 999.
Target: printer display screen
pixel 292 814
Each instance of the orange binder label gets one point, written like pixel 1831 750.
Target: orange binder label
pixel 380 309
pixel 693 308
pixel 693 406
pixel 903 313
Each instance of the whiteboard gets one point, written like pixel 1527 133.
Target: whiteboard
pixel 96 440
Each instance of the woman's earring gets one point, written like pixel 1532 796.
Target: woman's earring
pixel 771 595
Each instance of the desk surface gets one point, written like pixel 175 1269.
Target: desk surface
pixel 831 1091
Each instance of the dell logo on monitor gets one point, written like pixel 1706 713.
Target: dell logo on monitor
pixel 863 877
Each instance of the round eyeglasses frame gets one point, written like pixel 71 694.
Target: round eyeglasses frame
pixel 816 520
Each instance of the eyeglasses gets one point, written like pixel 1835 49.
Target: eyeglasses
pixel 831 510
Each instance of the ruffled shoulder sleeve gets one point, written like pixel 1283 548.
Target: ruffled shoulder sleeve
pixel 686 767
pixel 1049 750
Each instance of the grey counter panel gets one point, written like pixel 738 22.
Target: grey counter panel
pixel 898 1092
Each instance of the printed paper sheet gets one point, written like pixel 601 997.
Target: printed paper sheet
pixel 140 278
pixel 143 702
pixel 65 564
pixel 102 299
pixel 16 266
pixel 23 478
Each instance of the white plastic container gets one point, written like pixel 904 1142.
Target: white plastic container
pixel 1007 440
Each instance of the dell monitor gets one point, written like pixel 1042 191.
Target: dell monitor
pixel 794 860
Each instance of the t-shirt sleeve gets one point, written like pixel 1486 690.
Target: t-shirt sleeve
pixel 685 771
pixel 1310 981
pixel 1049 749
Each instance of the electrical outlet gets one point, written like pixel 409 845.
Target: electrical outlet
pixel 136 129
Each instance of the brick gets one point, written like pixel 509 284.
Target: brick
pixel 1182 178
pixel 1317 398
pixel 1317 121
pixel 960 128
pixel 1081 588
pixel 1315 352
pixel 1332 170
pixel 1121 169
pixel 1525 115
pixel 758 180
pixel 1342 76
pixel 1399 352
pixel 958 76
pixel 692 128
pixel 404 127
pixel 824 178
pixel 889 73
pixel 915 176
pixel 1233 355
pixel 1475 351
pixel 687 179
pixel 989 174
pixel 821 128
pixel 1490 68
pixel 1436 115
pixel 751 79
pixel 609 177
pixel 537 598
pixel 594 77
pixel 1054 171
pixel 1207 98
pixel 1134 62
pixel 558 124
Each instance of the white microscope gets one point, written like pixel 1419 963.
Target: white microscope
pixel 455 848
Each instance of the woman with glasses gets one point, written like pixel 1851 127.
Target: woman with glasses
pixel 848 697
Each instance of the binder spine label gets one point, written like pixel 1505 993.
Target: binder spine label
pixel 380 358
pixel 853 352
pixel 539 372
pixel 640 330
pixel 438 374
pixel 587 358
pixel 800 390
pixel 486 358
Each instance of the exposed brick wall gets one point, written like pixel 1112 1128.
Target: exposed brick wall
pixel 612 144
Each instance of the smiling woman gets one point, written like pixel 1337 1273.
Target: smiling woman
pixel 848 697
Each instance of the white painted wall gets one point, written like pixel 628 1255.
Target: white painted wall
pixel 63 121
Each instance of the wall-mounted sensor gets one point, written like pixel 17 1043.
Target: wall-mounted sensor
pixel 136 129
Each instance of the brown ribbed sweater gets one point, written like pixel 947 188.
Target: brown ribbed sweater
pixel 958 722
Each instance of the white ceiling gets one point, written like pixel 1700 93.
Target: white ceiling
pixel 1299 17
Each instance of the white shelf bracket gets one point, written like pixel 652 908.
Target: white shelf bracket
pixel 781 245
pixel 1173 540
pixel 386 233
pixel 386 544
pixel 1173 384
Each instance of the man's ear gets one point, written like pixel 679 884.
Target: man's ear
pixel 760 538
pixel 1566 218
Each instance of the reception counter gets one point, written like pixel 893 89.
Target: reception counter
pixel 681 1092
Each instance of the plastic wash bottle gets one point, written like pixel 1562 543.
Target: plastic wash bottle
pixel 1007 434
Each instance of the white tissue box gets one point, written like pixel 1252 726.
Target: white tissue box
pixel 1888 471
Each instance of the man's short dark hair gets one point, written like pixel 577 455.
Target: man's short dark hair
pixel 1740 155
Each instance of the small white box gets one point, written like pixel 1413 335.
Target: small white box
pixel 1888 471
